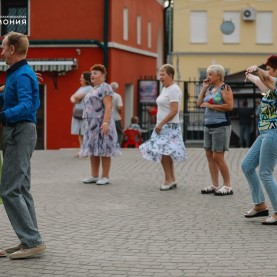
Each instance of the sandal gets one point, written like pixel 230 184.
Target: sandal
pixel 165 187
pixel 209 189
pixel 270 221
pixel 253 213
pixel 224 191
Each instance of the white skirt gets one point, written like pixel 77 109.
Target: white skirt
pixel 168 142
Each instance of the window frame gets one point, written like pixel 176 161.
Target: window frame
pixel 4 5
pixel 125 24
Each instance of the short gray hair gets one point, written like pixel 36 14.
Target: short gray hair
pixel 217 68
pixel 169 69
pixel 114 85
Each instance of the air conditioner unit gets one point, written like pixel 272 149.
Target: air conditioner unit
pixel 248 14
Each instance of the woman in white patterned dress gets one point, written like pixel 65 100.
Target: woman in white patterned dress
pixel 100 137
pixel 166 143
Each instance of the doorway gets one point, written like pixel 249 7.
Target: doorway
pixel 40 120
pixel 129 104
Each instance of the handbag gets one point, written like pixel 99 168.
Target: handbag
pixel 78 113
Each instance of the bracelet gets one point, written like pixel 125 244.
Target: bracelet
pixel 105 123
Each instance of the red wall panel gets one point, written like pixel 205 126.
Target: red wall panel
pixel 66 19
pixel 54 20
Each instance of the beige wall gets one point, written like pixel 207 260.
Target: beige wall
pixel 189 57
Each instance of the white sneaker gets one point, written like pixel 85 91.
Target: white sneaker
pixel 90 180
pixel 103 181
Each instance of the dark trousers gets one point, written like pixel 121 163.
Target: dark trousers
pixel 119 131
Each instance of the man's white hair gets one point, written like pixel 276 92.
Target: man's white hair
pixel 114 85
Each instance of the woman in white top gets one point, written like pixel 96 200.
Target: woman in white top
pixel 77 124
pixel 166 143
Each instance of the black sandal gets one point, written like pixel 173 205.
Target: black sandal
pixel 224 191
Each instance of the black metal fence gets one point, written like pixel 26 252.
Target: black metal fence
pixel 192 117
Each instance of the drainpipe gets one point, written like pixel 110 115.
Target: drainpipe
pixel 167 34
pixel 106 32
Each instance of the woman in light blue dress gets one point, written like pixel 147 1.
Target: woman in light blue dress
pixel 77 124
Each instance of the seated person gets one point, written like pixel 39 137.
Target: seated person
pixel 135 124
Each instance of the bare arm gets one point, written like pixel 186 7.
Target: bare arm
pixel 40 78
pixel 120 108
pixel 203 91
pixel 264 76
pixel 77 97
pixel 256 80
pixel 173 111
pixel 107 101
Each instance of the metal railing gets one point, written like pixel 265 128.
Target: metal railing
pixel 192 117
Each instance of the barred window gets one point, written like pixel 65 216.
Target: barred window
pixel 14 16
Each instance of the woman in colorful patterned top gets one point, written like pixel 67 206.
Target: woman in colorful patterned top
pixel 217 99
pixel 166 143
pixel 263 152
pixel 100 137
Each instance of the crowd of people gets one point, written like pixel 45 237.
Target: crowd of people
pixel 96 119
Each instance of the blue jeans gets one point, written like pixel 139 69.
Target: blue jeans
pixel 263 153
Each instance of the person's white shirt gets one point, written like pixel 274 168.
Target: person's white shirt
pixel 170 94
pixel 117 103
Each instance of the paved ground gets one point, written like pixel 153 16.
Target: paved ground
pixel 130 228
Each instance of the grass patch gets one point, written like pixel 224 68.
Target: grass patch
pixel 1 201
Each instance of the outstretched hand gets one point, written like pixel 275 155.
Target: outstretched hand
pixel 39 76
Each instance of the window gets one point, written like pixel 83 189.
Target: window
pixel 125 24
pixel 139 29
pixel 235 36
pixel 198 27
pixel 264 30
pixel 149 32
pixel 14 16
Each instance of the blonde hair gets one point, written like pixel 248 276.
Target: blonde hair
pixel 19 41
pixel 217 68
pixel 169 69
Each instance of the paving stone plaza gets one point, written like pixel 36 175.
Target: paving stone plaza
pixel 131 228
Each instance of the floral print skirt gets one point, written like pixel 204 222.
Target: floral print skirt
pixel 97 144
pixel 168 142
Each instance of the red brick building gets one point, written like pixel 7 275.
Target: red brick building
pixel 67 37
